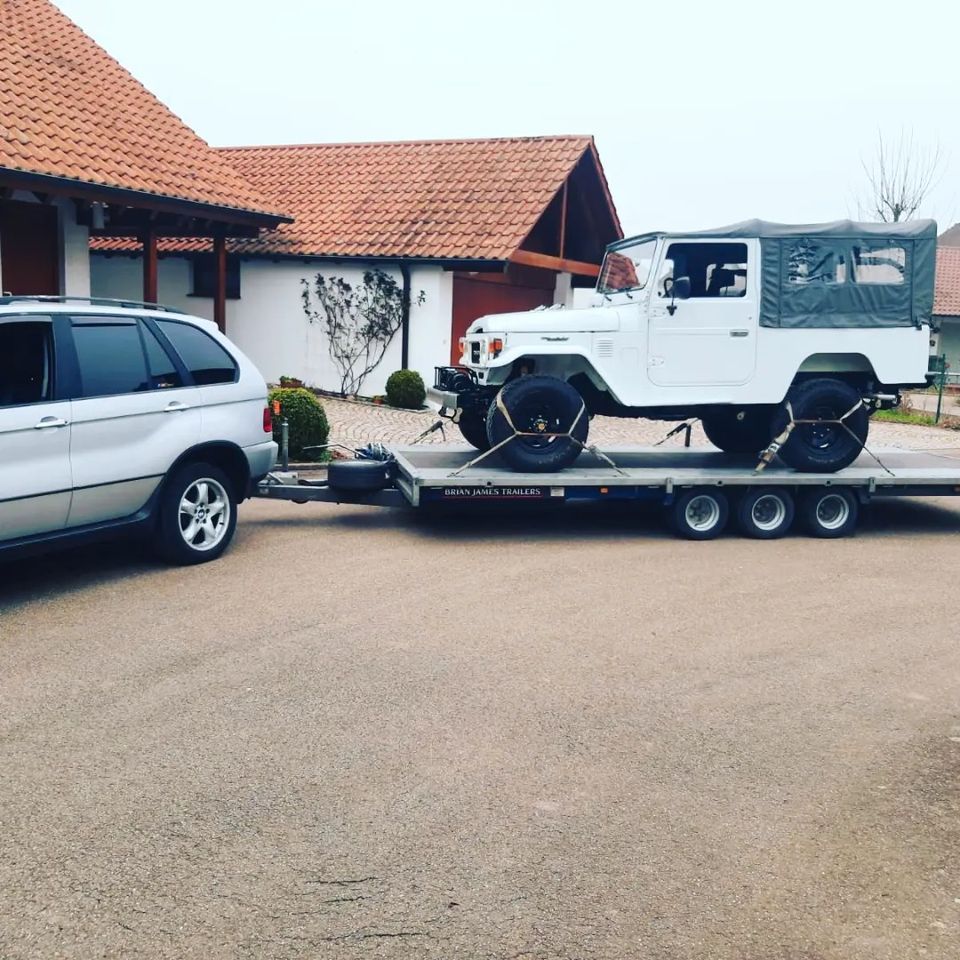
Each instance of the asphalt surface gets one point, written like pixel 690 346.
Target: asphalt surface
pixel 364 734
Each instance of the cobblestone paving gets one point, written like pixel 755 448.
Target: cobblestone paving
pixel 356 424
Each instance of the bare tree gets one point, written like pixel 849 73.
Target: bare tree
pixel 899 178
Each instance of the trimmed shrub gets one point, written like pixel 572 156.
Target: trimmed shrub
pixel 306 419
pixel 405 389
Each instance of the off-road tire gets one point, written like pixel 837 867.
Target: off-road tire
pixel 738 429
pixel 171 543
pixel 473 426
pixel 815 449
pixel 538 404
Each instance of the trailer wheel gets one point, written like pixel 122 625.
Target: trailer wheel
pixel 473 426
pixel 829 512
pixel 538 405
pixel 359 474
pixel 822 447
pixel 765 513
pixel 700 513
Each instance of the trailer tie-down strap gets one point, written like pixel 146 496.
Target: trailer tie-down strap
pixel 777 443
pixel 590 448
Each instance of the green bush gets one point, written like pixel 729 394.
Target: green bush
pixel 306 419
pixel 405 389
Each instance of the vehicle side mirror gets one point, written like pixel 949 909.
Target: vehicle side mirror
pixel 679 290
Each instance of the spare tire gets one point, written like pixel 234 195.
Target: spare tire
pixel 823 447
pixel 540 408
pixel 360 474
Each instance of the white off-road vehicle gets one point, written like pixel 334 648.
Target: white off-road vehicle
pixel 749 328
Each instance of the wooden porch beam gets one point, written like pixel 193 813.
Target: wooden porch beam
pixel 531 259
pixel 563 219
pixel 149 243
pixel 220 287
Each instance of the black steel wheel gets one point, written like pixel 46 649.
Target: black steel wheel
pixel 826 446
pixel 540 408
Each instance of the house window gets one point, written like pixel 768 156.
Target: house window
pixel 205 277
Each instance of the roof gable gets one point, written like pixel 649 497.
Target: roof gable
pixel 69 110
pixel 444 199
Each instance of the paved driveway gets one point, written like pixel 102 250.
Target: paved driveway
pixel 561 736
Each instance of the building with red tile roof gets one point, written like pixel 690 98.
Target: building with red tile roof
pixel 83 145
pixel 946 304
pixel 487 225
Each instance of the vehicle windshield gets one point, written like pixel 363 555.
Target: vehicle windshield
pixel 627 267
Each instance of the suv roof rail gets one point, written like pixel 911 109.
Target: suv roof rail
pixel 93 301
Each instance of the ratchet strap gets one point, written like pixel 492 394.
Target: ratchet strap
pixel 777 443
pixel 599 454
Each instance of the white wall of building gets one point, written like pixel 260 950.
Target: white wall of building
pixel 74 252
pixel 268 322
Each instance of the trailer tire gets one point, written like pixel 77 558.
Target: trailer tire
pixel 359 474
pixel 544 404
pixel 738 429
pixel 812 448
pixel 765 513
pixel 473 427
pixel 700 513
pixel 829 512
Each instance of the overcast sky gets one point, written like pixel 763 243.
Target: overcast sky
pixel 704 113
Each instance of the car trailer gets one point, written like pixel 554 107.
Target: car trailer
pixel 701 489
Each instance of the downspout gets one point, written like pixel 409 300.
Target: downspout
pixel 405 317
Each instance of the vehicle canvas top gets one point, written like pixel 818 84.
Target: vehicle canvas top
pixel 841 274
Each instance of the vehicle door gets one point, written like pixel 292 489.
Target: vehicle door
pixel 134 413
pixel 709 339
pixel 35 481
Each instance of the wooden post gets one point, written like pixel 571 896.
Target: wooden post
pixel 149 241
pixel 563 221
pixel 220 286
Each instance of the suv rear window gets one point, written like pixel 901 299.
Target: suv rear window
pixel 206 360
pixel 110 354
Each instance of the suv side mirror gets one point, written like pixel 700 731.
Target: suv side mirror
pixel 679 290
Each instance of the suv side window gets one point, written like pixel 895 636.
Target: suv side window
pixel 206 360
pixel 110 355
pixel 26 362
pixel 715 269
pixel 163 371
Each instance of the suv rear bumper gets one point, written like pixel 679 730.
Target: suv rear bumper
pixel 261 457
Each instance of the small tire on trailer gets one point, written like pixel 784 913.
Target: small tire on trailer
pixel 827 447
pixel 197 514
pixel 765 513
pixel 738 429
pixel 829 512
pixel 473 426
pixel 359 475
pixel 538 405
pixel 700 513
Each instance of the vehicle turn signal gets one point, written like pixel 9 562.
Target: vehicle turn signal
pixel 495 347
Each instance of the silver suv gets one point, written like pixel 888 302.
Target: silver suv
pixel 118 416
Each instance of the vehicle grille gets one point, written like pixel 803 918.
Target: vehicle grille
pixel 474 351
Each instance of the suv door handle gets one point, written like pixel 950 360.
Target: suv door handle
pixel 49 422
pixel 739 333
pixel 175 406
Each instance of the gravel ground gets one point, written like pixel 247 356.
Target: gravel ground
pixel 365 734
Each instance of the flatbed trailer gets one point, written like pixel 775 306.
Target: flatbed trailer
pixel 702 489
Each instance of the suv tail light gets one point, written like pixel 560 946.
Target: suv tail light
pixel 267 420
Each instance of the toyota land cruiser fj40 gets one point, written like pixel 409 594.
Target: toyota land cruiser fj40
pixel 749 328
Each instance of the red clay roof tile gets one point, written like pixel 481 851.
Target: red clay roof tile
pixel 946 301
pixel 70 110
pixel 443 199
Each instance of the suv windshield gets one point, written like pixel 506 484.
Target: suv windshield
pixel 627 267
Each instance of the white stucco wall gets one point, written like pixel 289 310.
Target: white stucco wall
pixel 74 252
pixel 268 322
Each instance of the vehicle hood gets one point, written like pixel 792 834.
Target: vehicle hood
pixel 586 320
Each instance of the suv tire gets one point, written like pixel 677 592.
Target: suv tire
pixel 738 429
pixel 198 514
pixel 473 426
pixel 538 405
pixel 812 448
